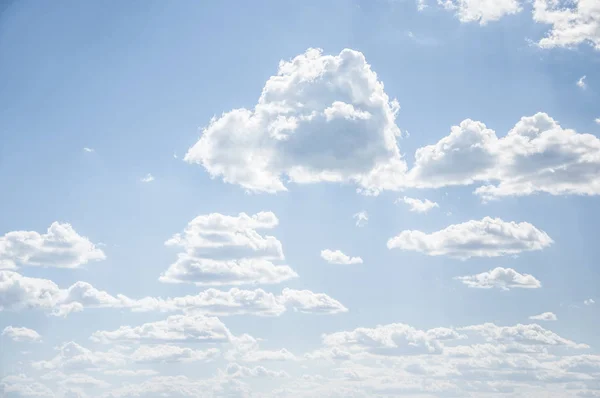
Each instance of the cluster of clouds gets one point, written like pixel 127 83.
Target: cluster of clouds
pixel 316 95
pixel 571 22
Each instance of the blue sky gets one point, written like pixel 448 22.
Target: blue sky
pixel 96 97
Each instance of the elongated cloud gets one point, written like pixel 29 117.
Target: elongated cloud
pixel 59 247
pixel 21 334
pixel 337 257
pixel 500 278
pixel 418 205
pixel 546 316
pixel 489 237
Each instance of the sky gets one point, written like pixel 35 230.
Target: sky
pixel 333 198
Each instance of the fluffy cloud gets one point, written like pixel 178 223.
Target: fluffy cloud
pixel 482 11
pixel 546 316
pixel 176 328
pixel 337 257
pixel 391 340
pixel 59 247
pixel 21 334
pixel 23 386
pixel 73 357
pixel 537 155
pixel 502 278
pixel 236 370
pixel 227 250
pixel 490 237
pixel 419 206
pixel 522 334
pixel 18 292
pixel 362 218
pixel 309 302
pixel 581 83
pixel 171 353
pixel 589 302
pixel 148 178
pixel 572 23
pixel 320 118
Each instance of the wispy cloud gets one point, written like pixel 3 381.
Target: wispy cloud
pixel 149 178
pixel 581 83
pixel 86 149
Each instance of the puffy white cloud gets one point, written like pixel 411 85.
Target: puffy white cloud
pixel 23 386
pixel 523 334
pixel 537 155
pixel 236 370
pixel 502 278
pixel 589 302
pixel 337 257
pixel 59 247
pixel 83 380
pixel 482 11
pixel 572 22
pixel 148 178
pixel 391 340
pixel 73 357
pixel 597 120
pixel 546 316
pixel 18 292
pixel 320 118
pixel 171 353
pixel 309 302
pixel 490 237
pixel 86 149
pixel 21 334
pixel 581 83
pixel 227 250
pixel 419 206
pixel 362 218
pixel 176 328
pixel 130 373
pixel 421 5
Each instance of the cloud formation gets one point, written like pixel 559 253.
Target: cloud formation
pixel 61 247
pixel 227 250
pixel 489 237
pixel 337 257
pixel 21 334
pixel 321 118
pixel 419 206
pixel 501 278
pixel 546 316
pixel 481 11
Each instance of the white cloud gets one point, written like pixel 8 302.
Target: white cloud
pixel 597 120
pixel 419 206
pixel 73 357
pixel 176 328
pixel 167 353
pixel 18 292
pixel 391 340
pixel 309 302
pixel 546 316
pixel 21 334
pixel 421 5
pixel 490 237
pixel 148 178
pixel 502 278
pixel 130 373
pixel 581 83
pixel 236 370
pixel 227 250
pixel 522 334
pixel 86 149
pixel 572 22
pixel 362 218
pixel 337 257
pixel 537 155
pixel 295 130
pixel 589 302
pixel 23 386
pixel 59 247
pixel 482 11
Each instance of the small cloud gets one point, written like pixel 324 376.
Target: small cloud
pixel 337 257
pixel 417 205
pixel 86 149
pixel 175 155
pixel 589 302
pixel 421 5
pixel 546 316
pixel 581 83
pixel 362 218
pixel 149 178
pixel 597 120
